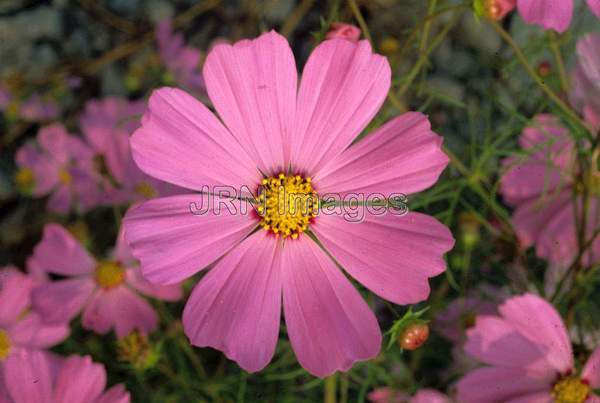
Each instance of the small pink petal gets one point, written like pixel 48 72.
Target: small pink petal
pixel 253 87
pixel 392 255
pixel 28 377
pixel 329 324
pixel 495 341
pixel 538 397
pixel 550 14
pixel 60 301
pixel 54 140
pixel 135 280
pixel 60 200
pixel 402 156
pixel 430 396
pixel 116 394
pixel 494 384
pixel 80 380
pixel 236 307
pixel 45 169
pixel 172 243
pixel 32 332
pixel 16 288
pixel 182 142
pixel 537 320
pixel 59 252
pixel 343 86
pixel 591 370
pixel 121 308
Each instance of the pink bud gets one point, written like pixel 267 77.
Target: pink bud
pixel 343 31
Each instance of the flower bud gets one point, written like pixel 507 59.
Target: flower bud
pixel 343 31
pixel 414 336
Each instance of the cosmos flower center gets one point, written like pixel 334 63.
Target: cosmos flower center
pixel 287 204
pixel 109 274
pixel 146 190
pixel 64 176
pixel 570 390
pixel 5 344
pixel 24 179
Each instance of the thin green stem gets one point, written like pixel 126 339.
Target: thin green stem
pixel 540 82
pixel 562 71
pixel 330 389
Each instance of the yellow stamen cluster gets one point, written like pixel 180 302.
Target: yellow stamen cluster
pixel 135 349
pixel 570 390
pixel 5 344
pixel 286 204
pixel 24 179
pixel 109 274
pixel 64 176
pixel 146 190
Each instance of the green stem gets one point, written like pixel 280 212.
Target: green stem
pixel 330 389
pixel 545 88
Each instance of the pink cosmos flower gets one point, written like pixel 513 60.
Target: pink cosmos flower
pixel 32 377
pixel 275 136
pixel 540 187
pixel 101 116
pixel 107 125
pixel 107 291
pixel 181 61
pixel 388 395
pixel 529 355
pixel 37 109
pixel 343 31
pixel 60 165
pixel 552 14
pixel 585 80
pixel 20 327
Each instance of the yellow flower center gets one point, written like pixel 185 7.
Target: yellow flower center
pixel 145 190
pixel 64 176
pixel 5 344
pixel 570 390
pixel 24 179
pixel 286 204
pixel 109 274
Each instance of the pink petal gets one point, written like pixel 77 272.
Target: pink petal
pixel 54 140
pixel 592 399
pixel 60 200
pixel 122 252
pixel 430 396
pixel 387 395
pixel 402 156
pixel 591 371
pixel 172 243
pixel 16 288
pixel 116 394
pixel 538 397
pixel 550 14
pixel 329 325
pixel 236 307
pixel 252 85
pixel 343 86
pixel 32 332
pixel 538 321
pixel 183 143
pixel 391 255
pixel 498 385
pixel 594 6
pixel 60 301
pixel 28 377
pixel 121 308
pixel 59 252
pixel 135 279
pixel 45 169
pixel 495 341
pixel 80 380
pixel 531 218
